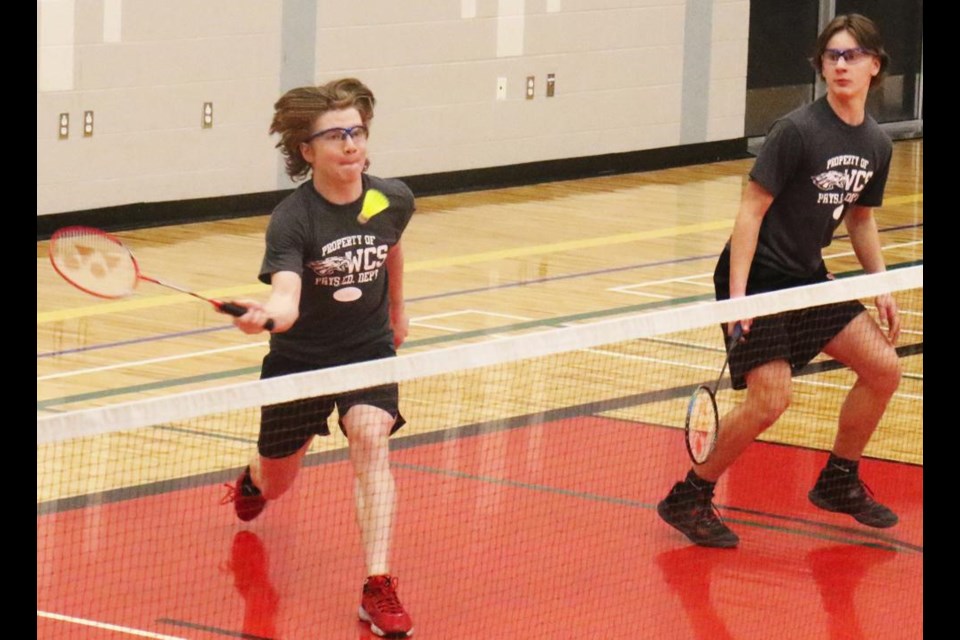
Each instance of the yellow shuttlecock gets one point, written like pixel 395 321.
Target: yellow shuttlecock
pixel 373 203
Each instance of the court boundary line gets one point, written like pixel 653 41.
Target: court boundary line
pixel 106 625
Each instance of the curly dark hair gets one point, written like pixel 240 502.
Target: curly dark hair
pixel 297 110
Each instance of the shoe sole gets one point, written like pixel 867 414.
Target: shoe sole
pixel 725 544
pixel 817 502
pixel 249 512
pixel 362 613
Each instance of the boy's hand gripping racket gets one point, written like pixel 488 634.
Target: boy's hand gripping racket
pixel 99 264
pixel 702 426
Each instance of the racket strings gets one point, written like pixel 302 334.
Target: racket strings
pixel 95 263
pixel 701 425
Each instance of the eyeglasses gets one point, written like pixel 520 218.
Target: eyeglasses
pixel 357 134
pixel 850 56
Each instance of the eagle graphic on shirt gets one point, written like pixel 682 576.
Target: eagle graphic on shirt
pixel 329 266
pixel 829 180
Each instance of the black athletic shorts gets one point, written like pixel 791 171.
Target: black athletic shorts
pixel 795 336
pixel 286 427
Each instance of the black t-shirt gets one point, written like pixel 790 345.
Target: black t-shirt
pixel 344 301
pixel 815 166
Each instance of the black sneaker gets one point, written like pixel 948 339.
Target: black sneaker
pixel 843 491
pixel 691 512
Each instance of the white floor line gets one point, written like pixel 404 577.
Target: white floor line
pixel 631 292
pixel 140 363
pixel 498 315
pixel 832 385
pixel 687 365
pixel 899 245
pixel 417 323
pixel 691 279
pixel 446 314
pixel 107 626
pixel 195 354
pixel 460 312
pixel 674 363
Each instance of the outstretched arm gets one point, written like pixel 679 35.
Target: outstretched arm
pixel 283 305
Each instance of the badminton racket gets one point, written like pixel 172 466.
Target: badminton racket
pixel 702 426
pixel 99 264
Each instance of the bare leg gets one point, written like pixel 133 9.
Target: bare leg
pixel 768 396
pixel 368 430
pixel 273 476
pixel 689 505
pixel 862 346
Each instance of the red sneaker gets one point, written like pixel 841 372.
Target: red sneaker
pixel 380 607
pixel 246 498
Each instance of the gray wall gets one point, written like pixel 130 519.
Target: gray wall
pixel 630 75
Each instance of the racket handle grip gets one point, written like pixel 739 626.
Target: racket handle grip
pixel 238 310
pixel 737 332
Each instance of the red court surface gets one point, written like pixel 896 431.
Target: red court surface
pixel 543 531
